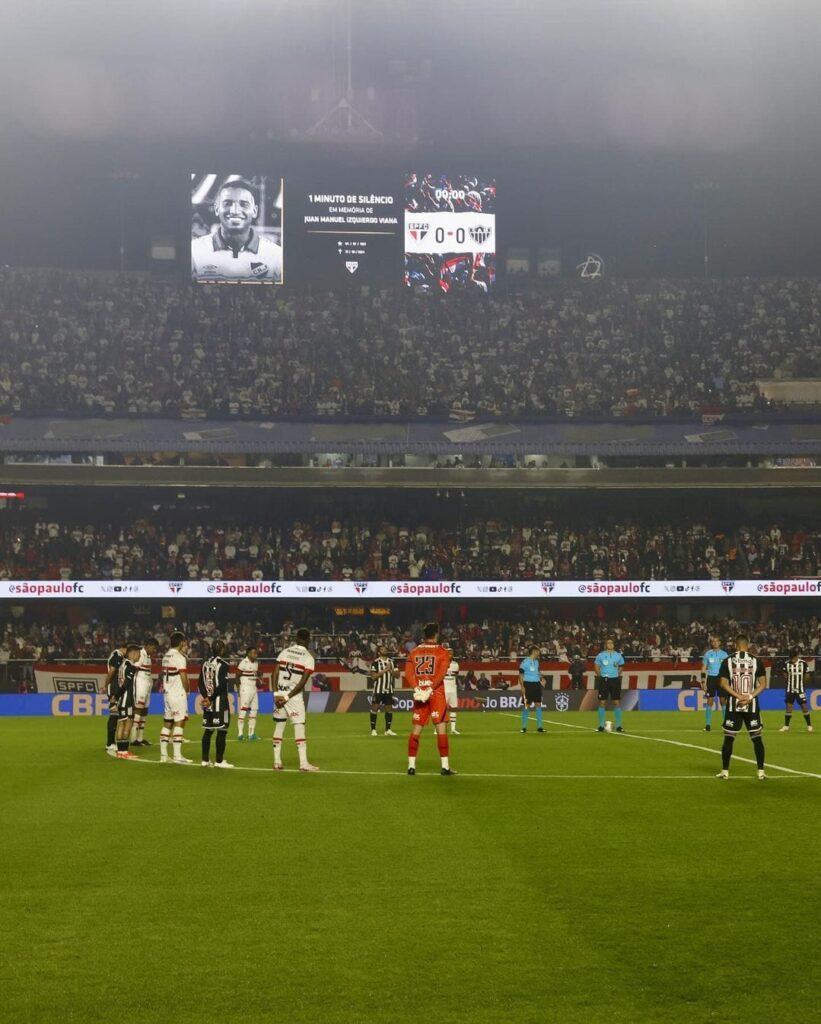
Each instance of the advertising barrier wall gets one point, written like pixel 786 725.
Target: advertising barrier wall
pixel 81 705
pixel 87 704
pixel 649 675
pixel 357 590
pixel 693 700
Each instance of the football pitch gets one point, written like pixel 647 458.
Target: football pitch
pixel 567 877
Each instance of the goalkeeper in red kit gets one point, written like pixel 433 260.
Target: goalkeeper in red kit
pixel 425 672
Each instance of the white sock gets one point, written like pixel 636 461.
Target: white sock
pixel 446 762
pixel 301 745
pixel 452 722
pixel 252 725
pixel 241 721
pixel 279 731
pixel 177 742
pixel 411 762
pixel 164 738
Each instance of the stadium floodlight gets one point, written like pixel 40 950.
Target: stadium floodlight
pixel 344 119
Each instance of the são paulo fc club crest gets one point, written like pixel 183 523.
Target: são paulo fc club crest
pixel 360 588
pixel 548 585
pixel 175 588
pixel 351 266
pixel 562 702
pixel 480 234
pixel 418 231
pixel 727 586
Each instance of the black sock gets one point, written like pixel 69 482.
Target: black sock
pixel 206 744
pixel 111 729
pixel 727 751
pixel 388 720
pixel 222 736
pixel 807 717
pixel 122 745
pixel 787 718
pixel 758 747
pixel 373 720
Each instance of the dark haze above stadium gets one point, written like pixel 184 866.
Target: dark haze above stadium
pixel 711 75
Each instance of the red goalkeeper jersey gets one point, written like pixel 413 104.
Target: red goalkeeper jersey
pixel 427 665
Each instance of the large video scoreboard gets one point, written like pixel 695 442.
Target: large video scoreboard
pixel 436 231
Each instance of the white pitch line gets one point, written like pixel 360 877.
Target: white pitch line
pixel 678 743
pixel 432 774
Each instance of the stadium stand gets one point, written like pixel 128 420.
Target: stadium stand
pixel 99 345
pixel 515 542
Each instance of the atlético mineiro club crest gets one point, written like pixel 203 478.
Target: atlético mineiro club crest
pixel 547 586
pixel 480 234
pixel 418 231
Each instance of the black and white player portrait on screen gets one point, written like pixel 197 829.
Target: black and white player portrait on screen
pixel 236 228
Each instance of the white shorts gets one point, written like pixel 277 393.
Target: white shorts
pixel 451 696
pixel 248 696
pixel 143 685
pixel 176 707
pixel 293 711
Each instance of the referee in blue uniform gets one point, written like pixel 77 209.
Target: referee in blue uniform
pixel 530 678
pixel 609 664
pixel 711 679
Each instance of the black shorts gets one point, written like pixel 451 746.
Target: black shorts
pixel 609 689
pixel 533 693
pixel 125 709
pixel 713 687
pixel 795 697
pixel 385 699
pixel 735 721
pixel 212 719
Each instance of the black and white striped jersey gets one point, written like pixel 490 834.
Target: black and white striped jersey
pixel 796 674
pixel 213 682
pixel 742 670
pixel 115 660
pixel 384 671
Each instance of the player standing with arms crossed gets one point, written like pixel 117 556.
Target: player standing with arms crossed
pixel 248 670
pixel 175 698
pixel 797 673
pixel 383 675
pixel 452 690
pixel 292 671
pixel 710 679
pixel 216 709
pixel 609 664
pixel 425 672
pixel 743 677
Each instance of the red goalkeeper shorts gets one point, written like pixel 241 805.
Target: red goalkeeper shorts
pixel 434 710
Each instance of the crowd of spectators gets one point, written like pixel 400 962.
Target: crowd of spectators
pixel 473 638
pixel 101 345
pixel 355 547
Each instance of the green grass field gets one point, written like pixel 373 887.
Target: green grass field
pixel 569 877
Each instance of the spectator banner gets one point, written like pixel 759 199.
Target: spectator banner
pixel 381 590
